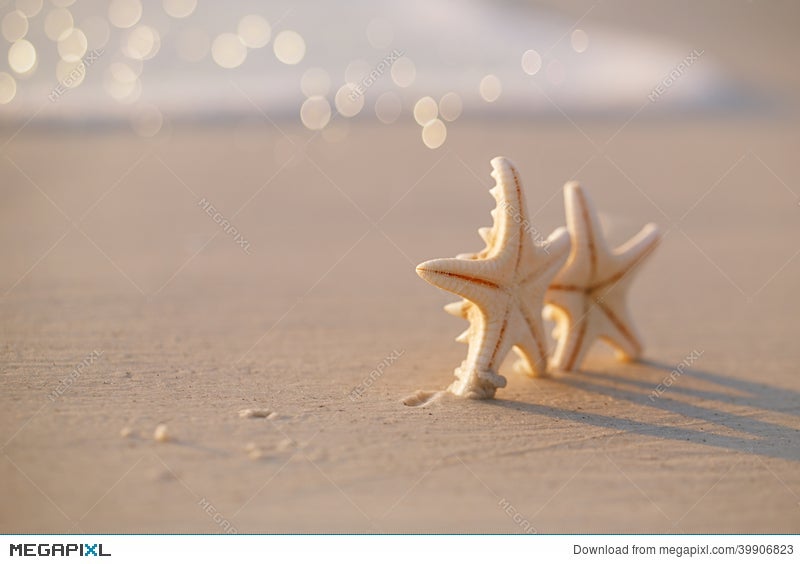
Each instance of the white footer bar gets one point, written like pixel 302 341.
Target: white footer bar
pixel 402 549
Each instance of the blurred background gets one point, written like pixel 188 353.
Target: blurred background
pixel 212 206
pixel 178 61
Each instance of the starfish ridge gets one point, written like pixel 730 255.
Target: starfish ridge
pixel 588 296
pixel 504 287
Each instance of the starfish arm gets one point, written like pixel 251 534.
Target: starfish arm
pixel 470 279
pixel 530 344
pixel 617 328
pixel 558 244
pixel 494 339
pixel 588 244
pixel 507 233
pixel 544 261
pixel 459 308
pixel 634 252
pixel 574 328
pixel 504 286
pixel 489 342
pixel 486 235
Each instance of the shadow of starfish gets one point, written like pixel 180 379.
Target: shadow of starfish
pixel 769 439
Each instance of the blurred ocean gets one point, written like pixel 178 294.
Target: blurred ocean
pixel 93 61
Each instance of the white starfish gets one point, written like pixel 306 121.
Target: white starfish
pixel 504 287
pixel 587 298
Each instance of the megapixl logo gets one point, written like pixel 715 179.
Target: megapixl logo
pixel 84 549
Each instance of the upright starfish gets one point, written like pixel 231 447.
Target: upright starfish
pixel 503 286
pixel 587 297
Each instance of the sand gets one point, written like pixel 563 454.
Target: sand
pixel 126 306
pixel 124 294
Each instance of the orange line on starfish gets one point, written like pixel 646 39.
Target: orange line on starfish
pixel 472 279
pixel 589 234
pixel 618 276
pixel 500 336
pixel 535 334
pixel 611 279
pixel 621 327
pixel 582 326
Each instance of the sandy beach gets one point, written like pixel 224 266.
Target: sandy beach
pixel 253 264
pixel 176 323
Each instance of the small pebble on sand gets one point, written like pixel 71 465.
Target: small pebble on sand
pixel 161 434
pixel 126 432
pixel 252 413
pixel 254 452
pixel 286 444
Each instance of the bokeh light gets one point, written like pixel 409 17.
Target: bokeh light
pixel 179 8
pixel 15 25
pixel 72 45
pixel 228 51
pixel 289 46
pixel 142 42
pixel 348 100
pixel 450 106
pixel 122 90
pixel 434 134
pixel 404 72
pixel 8 88
pixel 254 31
pixel 21 56
pixel 531 62
pixel 490 88
pixel 57 22
pixel 579 40
pixel 29 7
pixel 124 13
pixel 388 107
pixel 315 113
pixel 140 32
pixel 425 110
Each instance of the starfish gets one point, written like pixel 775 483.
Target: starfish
pixel 587 298
pixel 503 286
